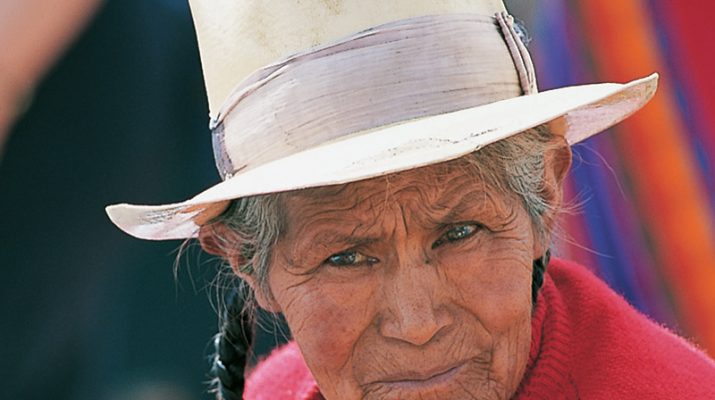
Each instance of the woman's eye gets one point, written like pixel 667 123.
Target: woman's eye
pixel 456 234
pixel 349 259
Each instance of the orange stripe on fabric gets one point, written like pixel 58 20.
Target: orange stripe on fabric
pixel 666 182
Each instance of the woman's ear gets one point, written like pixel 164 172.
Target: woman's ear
pixel 209 239
pixel 222 241
pixel 557 162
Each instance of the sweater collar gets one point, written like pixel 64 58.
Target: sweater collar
pixel 547 371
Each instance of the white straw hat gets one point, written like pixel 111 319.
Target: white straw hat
pixel 322 92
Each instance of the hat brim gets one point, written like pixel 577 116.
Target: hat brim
pixel 578 112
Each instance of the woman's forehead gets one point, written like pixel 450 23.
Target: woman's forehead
pixel 438 186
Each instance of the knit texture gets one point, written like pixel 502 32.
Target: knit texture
pixel 587 343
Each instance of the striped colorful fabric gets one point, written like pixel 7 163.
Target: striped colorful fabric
pixel 645 192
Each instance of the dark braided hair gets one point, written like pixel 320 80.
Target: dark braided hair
pixel 232 346
pixel 233 343
pixel 537 275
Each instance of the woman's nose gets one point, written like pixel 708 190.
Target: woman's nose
pixel 413 312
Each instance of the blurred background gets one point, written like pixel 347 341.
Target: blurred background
pixel 103 102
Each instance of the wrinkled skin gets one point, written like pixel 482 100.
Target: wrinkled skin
pixel 412 286
pixel 417 286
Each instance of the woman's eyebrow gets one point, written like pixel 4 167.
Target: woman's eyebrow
pixel 473 200
pixel 330 238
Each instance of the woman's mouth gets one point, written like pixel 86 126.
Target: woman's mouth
pixel 430 379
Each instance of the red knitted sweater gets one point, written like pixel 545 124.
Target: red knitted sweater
pixel 587 343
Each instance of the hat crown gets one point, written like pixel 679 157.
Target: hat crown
pixel 237 37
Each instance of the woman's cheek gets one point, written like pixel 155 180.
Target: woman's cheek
pixel 327 319
pixel 498 288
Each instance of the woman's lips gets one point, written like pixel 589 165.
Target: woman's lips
pixel 423 380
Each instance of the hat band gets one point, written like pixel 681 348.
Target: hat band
pixel 389 74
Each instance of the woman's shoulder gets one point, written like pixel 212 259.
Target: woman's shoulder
pixel 282 376
pixel 617 349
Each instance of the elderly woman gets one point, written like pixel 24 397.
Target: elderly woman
pixel 391 181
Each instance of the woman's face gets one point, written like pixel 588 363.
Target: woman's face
pixel 415 286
